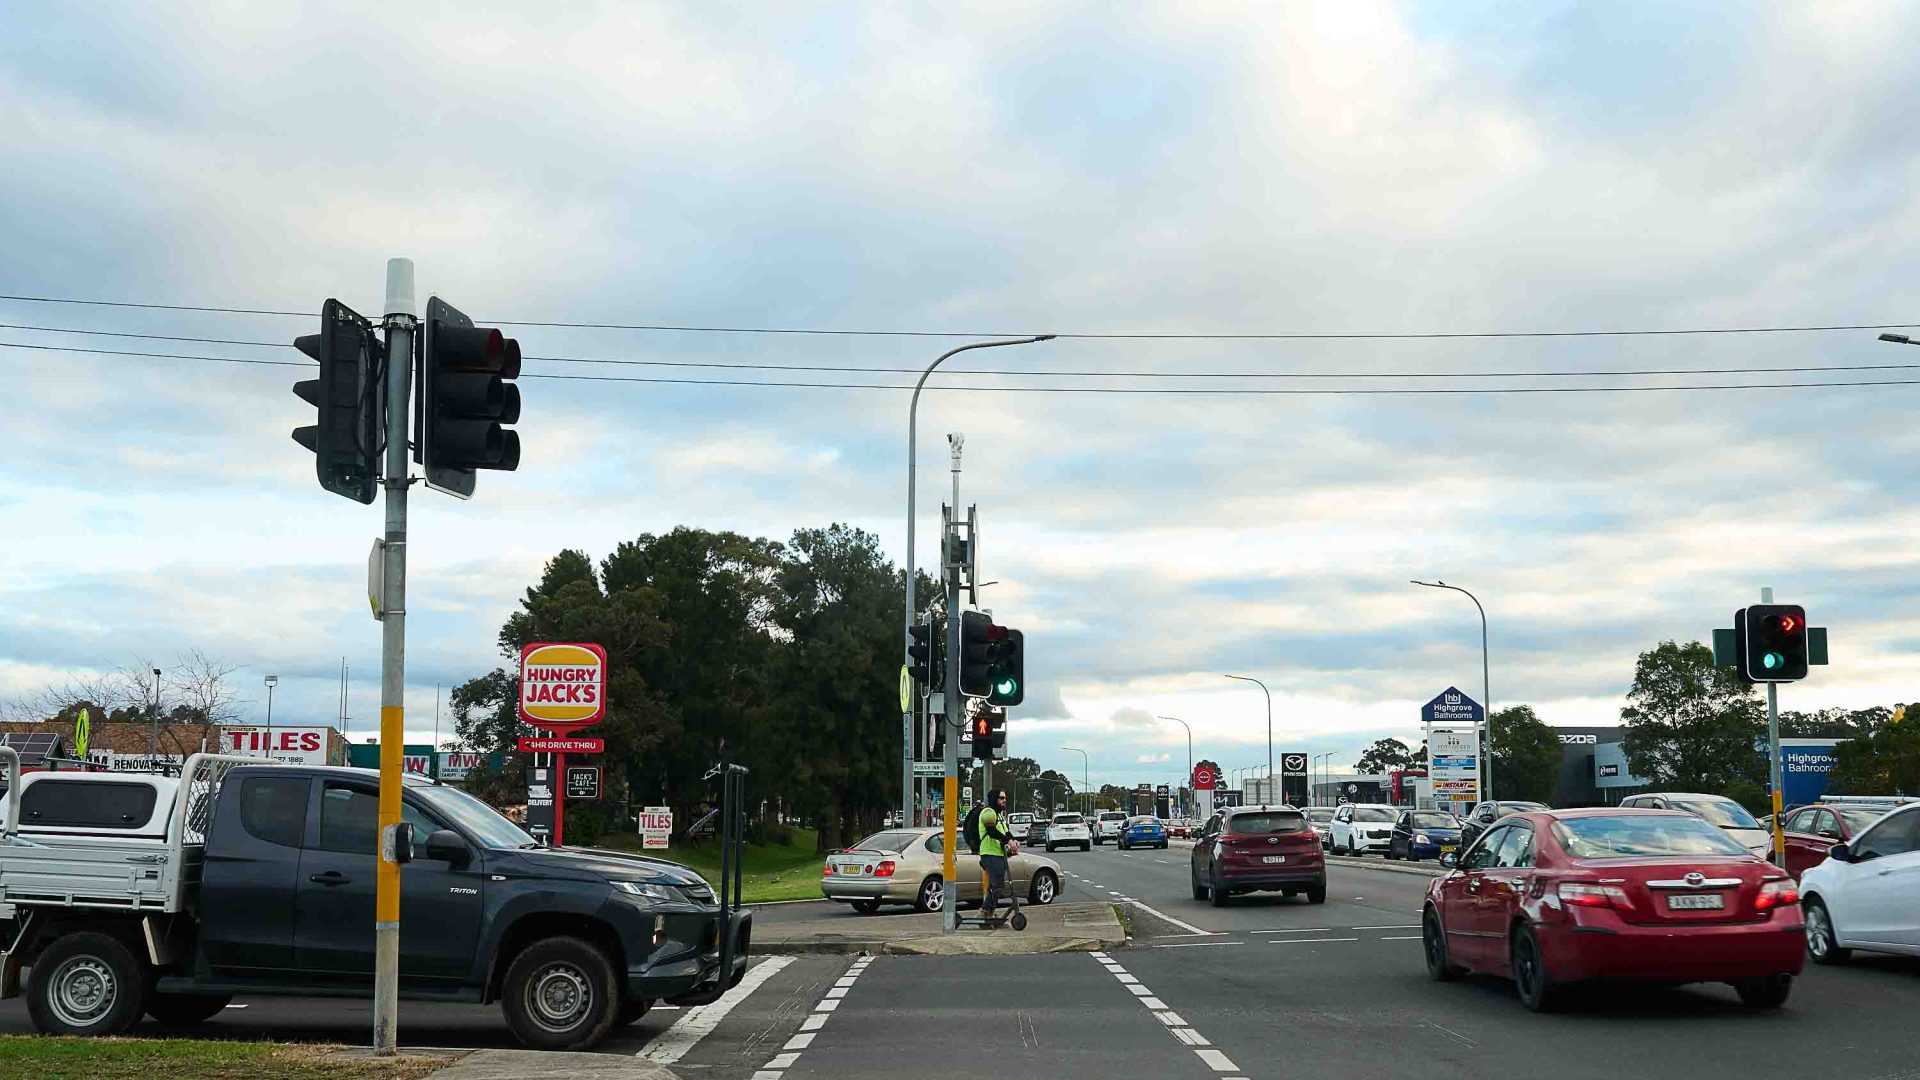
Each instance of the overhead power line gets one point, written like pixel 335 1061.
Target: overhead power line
pixel 849 369
pixel 1080 335
pixel 1239 390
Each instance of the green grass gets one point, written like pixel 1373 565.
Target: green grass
pixel 42 1058
pixel 771 871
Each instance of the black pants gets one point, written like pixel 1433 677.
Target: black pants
pixel 996 868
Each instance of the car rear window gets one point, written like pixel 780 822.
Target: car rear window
pixel 1630 836
pixel 1434 820
pixel 1067 819
pixel 1143 821
pixel 1722 812
pixel 1857 819
pixel 895 840
pixel 1372 813
pixel 1267 821
pixel 86 805
pixel 1319 815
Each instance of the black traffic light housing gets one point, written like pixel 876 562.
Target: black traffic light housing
pixel 992 659
pixel 927 654
pixel 1771 641
pixel 467 396
pixel 350 399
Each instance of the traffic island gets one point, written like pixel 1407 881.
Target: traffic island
pixel 551 1065
pixel 1364 862
pixel 59 1058
pixel 1050 929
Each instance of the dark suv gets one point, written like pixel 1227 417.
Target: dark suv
pixel 1484 815
pixel 1258 849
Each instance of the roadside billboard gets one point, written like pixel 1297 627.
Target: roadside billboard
pixel 288 745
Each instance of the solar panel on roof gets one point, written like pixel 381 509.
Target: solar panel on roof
pixel 33 747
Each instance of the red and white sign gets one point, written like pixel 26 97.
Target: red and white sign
pixel 656 826
pixel 538 744
pixel 563 686
pixel 292 745
pixel 1206 776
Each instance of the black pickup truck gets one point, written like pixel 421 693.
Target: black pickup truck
pixel 272 892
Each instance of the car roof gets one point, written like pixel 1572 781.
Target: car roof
pixel 1680 795
pixel 1602 811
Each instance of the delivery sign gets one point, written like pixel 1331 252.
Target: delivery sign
pixel 563 686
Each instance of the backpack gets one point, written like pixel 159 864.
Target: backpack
pixel 970 829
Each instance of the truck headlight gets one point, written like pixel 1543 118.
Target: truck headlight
pixel 664 893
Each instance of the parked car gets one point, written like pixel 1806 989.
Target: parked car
pixel 1811 831
pixel 1180 828
pixel 907 866
pixel 1321 818
pixel 1552 898
pixel 1423 834
pixel 1716 810
pixel 1036 831
pixel 1143 831
pixel 1863 895
pixel 1069 830
pixel 1486 813
pixel 1107 825
pixel 1358 828
pixel 246 878
pixel 1258 849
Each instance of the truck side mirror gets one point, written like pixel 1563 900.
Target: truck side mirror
pixel 445 845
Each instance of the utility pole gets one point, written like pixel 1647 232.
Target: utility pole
pixel 1773 760
pixel 950 810
pixel 153 714
pixel 399 312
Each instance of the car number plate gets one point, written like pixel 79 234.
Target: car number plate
pixel 1447 849
pixel 1696 902
pixel 1274 859
pixel 849 868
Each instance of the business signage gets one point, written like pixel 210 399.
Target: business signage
pixel 456 764
pixel 1609 770
pixel 656 827
pixel 1206 776
pixel 1453 707
pixel 1453 766
pixel 288 745
pixel 583 781
pixel 563 686
pixel 561 744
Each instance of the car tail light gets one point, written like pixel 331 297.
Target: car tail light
pixel 1775 894
pixel 885 869
pixel 1594 896
pixel 827 870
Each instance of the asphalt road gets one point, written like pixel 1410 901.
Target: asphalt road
pixel 1265 987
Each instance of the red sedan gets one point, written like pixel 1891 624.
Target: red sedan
pixel 1811 831
pixel 1568 896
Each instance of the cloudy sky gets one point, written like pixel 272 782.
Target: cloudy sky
pixel 1093 168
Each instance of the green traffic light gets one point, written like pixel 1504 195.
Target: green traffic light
pixel 1773 660
pixel 1005 687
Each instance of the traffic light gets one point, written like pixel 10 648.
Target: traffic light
pixel 927 654
pixel 992 659
pixel 1772 642
pixel 989 733
pixel 350 399
pixel 466 397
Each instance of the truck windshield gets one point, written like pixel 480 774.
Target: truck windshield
pixel 478 820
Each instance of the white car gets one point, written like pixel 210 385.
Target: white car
pixel 1358 828
pixel 1321 818
pixel 1069 830
pixel 1107 826
pixel 1862 896
pixel 1716 809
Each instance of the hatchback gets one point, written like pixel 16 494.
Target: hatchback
pixel 1863 896
pixel 1550 898
pixel 1256 849
pixel 1143 831
pixel 1423 834
pixel 1811 831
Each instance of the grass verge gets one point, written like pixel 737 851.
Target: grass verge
pixel 788 871
pixel 44 1058
pixel 1126 919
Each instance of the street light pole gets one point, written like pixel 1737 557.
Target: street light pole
pixel 272 681
pixel 1483 761
pixel 1086 780
pixel 1189 728
pixel 906 628
pixel 1263 690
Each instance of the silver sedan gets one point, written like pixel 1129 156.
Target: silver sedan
pixel 905 866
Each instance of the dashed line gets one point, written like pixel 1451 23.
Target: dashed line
pixel 1217 1060
pixel 1310 940
pixel 1174 1023
pixel 777 1065
pixel 1202 944
pixel 1399 926
pixel 1403 937
pixel 697 1024
pixel 1302 930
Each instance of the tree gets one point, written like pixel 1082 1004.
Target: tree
pixel 1055 789
pixel 1384 756
pixel 1526 755
pixel 1886 762
pixel 1834 723
pixel 1691 725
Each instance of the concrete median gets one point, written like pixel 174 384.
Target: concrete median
pixel 1050 929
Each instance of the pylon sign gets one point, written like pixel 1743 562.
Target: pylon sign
pixel 563 685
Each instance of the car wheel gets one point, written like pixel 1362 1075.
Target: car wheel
pixel 866 907
pixel 631 1010
pixel 1530 975
pixel 1199 890
pixel 1045 888
pixel 1391 857
pixel 1769 992
pixel 931 894
pixel 1215 892
pixel 1433 939
pixel 1822 942
pixel 185 1010
pixel 1049 849
pixel 560 993
pixel 86 984
pixel 1317 892
pixel 1352 848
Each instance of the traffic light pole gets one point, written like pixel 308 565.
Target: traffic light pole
pixel 1773 759
pixel 393 661
pixel 951 699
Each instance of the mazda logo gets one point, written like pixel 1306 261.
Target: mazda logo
pixel 1696 878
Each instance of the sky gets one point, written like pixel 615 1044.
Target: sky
pixel 978 170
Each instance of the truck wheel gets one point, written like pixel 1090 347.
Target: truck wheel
pixel 86 984
pixel 185 1010
pixel 632 1009
pixel 560 994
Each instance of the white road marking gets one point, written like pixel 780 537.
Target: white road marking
pixel 837 992
pixel 1153 1003
pixel 1138 991
pixel 1176 1026
pixel 1403 937
pixel 1163 916
pixel 1401 926
pixel 1310 940
pixel 1208 944
pixel 813 1022
pixel 1125 978
pixel 826 1006
pixel 799 1042
pixel 1171 1019
pixel 698 1023
pixel 1216 1060
pixel 1302 930
pixel 233 1006
pixel 767 1074
pixel 1190 1037
pixel 782 1061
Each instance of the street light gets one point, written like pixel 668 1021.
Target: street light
pixel 1086 781
pixel 1263 689
pixel 906 628
pixel 153 714
pixel 1051 780
pixel 272 681
pixel 1483 762
pixel 1189 728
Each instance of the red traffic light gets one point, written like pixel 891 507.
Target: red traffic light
pixel 1789 623
pixel 982 727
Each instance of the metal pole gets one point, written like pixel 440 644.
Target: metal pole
pixel 399 312
pixel 1773 760
pixel 1086 780
pixel 906 625
pixel 950 716
pixel 153 714
pixel 271 680
pixel 1189 728
pixel 1483 759
pixel 1263 689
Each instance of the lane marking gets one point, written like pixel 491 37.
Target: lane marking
pixel 1311 940
pixel 1171 1019
pixel 1153 1003
pixel 698 1023
pixel 810 1025
pixel 1209 944
pixel 1187 926
pixel 1401 926
pixel 1403 937
pixel 813 1022
pixel 1137 990
pixel 1216 1060
pixel 1302 930
pixel 799 1042
pixel 782 1061
pixel 1190 1037
pixel 837 992
pixel 1126 978
pixel 826 1006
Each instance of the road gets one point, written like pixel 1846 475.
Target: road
pixel 1265 987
